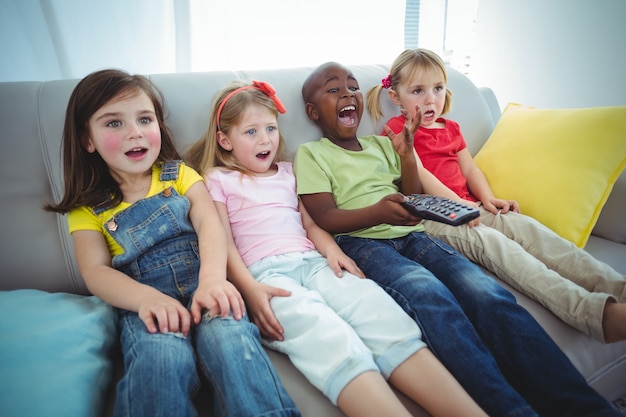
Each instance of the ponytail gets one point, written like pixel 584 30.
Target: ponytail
pixel 373 102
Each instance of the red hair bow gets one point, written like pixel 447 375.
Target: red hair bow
pixel 260 85
pixel 271 93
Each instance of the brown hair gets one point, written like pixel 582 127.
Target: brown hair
pixel 87 179
pixel 403 68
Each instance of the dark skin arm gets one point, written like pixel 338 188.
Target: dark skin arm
pixel 403 144
pixel 323 209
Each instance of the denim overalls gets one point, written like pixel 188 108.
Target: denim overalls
pixel 161 377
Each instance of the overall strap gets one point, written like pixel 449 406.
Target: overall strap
pixel 169 170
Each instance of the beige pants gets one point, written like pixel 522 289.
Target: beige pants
pixel 540 264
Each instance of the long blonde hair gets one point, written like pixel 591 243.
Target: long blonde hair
pixel 206 153
pixel 404 68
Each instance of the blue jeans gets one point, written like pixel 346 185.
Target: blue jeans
pixel 162 369
pixel 493 346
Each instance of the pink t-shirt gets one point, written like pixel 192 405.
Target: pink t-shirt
pixel 263 212
pixel 437 149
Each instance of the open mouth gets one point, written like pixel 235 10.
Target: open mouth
pixel 263 155
pixel 347 116
pixel 429 113
pixel 136 152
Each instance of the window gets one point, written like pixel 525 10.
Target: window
pixel 447 27
pixel 45 40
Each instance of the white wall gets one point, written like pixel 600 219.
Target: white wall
pixel 552 53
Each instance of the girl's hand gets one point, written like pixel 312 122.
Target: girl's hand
pixel 219 298
pixel 475 222
pixel 261 313
pixel 495 205
pixel 338 261
pixel 162 313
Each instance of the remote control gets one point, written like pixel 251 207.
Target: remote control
pixel 440 209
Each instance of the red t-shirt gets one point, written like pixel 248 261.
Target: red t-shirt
pixel 437 149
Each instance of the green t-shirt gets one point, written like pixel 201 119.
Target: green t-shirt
pixel 356 179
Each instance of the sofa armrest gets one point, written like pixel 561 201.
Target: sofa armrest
pixel 492 103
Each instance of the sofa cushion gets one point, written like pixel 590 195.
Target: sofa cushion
pixel 55 354
pixel 559 164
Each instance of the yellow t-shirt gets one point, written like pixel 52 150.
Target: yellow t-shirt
pixel 84 218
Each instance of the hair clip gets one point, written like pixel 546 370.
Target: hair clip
pixel 387 81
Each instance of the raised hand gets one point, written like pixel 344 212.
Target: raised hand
pixel 403 141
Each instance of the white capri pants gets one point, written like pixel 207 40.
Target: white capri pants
pixel 335 328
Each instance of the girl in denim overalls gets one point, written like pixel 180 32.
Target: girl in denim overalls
pixel 148 241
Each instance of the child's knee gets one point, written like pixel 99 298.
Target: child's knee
pixel 226 333
pixel 165 352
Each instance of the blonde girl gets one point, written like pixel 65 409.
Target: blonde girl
pixel 583 292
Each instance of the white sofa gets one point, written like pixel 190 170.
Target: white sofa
pixel 38 254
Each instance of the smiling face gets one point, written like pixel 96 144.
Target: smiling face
pixel 254 140
pixel 335 103
pixel 426 88
pixel 125 132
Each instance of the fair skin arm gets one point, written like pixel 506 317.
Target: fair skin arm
pixel 159 312
pixel 479 186
pixel 215 293
pixel 433 186
pixel 257 295
pixel 327 246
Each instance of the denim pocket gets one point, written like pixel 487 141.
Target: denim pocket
pixel 161 225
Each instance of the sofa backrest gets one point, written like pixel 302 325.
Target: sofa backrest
pixel 37 249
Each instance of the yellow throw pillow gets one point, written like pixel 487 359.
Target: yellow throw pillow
pixel 559 164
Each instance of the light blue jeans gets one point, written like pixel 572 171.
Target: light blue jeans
pixel 163 371
pixel 492 345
